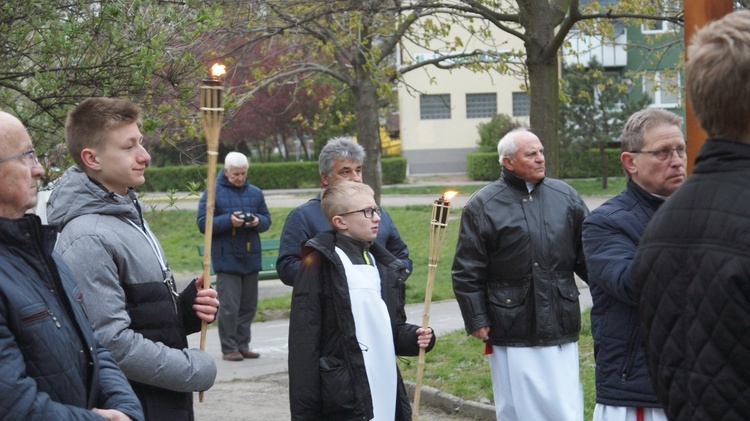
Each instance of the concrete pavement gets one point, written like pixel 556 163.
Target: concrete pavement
pixel 294 198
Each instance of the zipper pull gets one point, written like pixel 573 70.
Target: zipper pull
pixel 54 318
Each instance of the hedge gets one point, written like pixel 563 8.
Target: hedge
pixel 282 175
pixel 573 164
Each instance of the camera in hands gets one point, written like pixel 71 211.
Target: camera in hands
pixel 247 217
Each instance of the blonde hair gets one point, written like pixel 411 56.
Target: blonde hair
pixel 336 197
pixel 717 73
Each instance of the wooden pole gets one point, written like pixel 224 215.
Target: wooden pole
pixel 440 210
pixel 697 14
pixel 212 114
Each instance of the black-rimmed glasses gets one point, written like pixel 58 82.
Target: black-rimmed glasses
pixel 28 156
pixel 666 153
pixel 367 212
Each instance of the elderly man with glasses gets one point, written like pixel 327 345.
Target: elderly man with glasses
pixel 52 363
pixel 654 160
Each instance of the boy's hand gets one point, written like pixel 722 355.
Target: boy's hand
pixel 424 336
pixel 206 303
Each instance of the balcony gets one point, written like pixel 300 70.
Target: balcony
pixel 607 51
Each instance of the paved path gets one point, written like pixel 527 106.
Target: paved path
pixel 294 198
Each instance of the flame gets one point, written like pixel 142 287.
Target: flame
pixel 218 70
pixel 447 196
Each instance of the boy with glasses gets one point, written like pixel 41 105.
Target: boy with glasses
pixel 340 159
pixel 347 321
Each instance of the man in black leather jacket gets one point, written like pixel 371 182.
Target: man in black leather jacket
pixel 518 248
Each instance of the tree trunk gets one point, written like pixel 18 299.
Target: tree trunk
pixel 368 134
pixel 544 89
pixel 543 83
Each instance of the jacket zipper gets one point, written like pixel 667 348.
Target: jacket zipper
pixel 172 293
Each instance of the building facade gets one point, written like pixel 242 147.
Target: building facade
pixel 440 109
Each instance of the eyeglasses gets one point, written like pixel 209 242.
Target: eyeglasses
pixel 367 212
pixel 664 154
pixel 28 157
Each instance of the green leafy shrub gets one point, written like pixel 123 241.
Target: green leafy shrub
pixel 586 163
pixel 394 170
pixel 492 131
pixel 483 166
pixel 574 163
pixel 281 175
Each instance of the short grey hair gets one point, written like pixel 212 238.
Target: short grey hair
pixel 634 129
pixel 339 148
pixel 236 160
pixel 507 145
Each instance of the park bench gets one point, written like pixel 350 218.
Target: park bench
pixel 268 260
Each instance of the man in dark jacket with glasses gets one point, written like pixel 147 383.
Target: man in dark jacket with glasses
pixel 52 365
pixel 654 161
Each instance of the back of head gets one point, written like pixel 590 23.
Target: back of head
pixel 717 74
pixel 89 122
pixel 335 198
pixel 236 160
pixel 339 148
pixel 507 146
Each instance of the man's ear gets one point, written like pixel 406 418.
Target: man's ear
pixel 324 179
pixel 90 159
pixel 339 223
pixel 628 163
pixel 507 163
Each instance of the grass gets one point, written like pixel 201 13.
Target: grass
pixel 457 366
pixel 179 236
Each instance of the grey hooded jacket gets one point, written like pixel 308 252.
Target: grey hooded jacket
pixel 105 241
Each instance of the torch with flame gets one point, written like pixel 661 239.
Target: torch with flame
pixel 440 210
pixel 212 114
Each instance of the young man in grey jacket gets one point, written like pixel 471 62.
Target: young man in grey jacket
pixel 129 290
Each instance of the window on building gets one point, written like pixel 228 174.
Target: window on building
pixel 655 27
pixel 666 8
pixel 521 104
pixel 481 105
pixel 435 107
pixel 664 90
